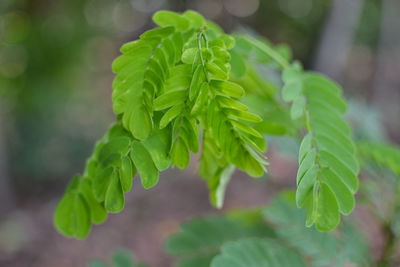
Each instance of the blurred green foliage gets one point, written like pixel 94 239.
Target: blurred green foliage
pixel 262 236
pixel 42 69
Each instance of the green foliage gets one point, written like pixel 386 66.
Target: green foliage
pixel 186 87
pixel 270 236
pixel 325 249
pixel 256 252
pixel 385 155
pixel 199 240
pixel 73 216
pixel 327 176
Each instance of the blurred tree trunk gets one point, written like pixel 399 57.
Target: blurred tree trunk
pixel 7 199
pixel 386 85
pixel 337 37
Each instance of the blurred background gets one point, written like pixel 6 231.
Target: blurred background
pixel 55 102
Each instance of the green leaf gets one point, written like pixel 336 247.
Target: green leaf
pixel 228 41
pixel 238 64
pixel 158 145
pixel 253 165
pixel 243 115
pixel 97 212
pixel 307 163
pixel 215 72
pixel 255 252
pixel 126 173
pixel 189 55
pixel 171 114
pixel 342 193
pixel 190 132
pixel 291 74
pixel 118 145
pixel 62 216
pixel 180 154
pixel 101 182
pixel 257 143
pixel 306 185
pixel 179 78
pixel 72 215
pixel 337 167
pixel 158 32
pixel 228 102
pixel 197 82
pixel 138 121
pixel 217 191
pixel 168 18
pixel 177 40
pixel 292 90
pixel 227 88
pixel 305 146
pixel 328 216
pixel 144 164
pixel 201 100
pixel 169 99
pixel 341 153
pixel 247 129
pixel 297 109
pixel 114 200
pixel 196 20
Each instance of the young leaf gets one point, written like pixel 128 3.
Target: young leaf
pixel 171 114
pixel 180 154
pixel 217 188
pixel 97 212
pixel 101 182
pixel 227 88
pixel 169 99
pixel 72 215
pixel 126 174
pixel 297 108
pixel 168 18
pixel 158 145
pixel 114 200
pixel 144 164
pixel 257 252
pixel 292 90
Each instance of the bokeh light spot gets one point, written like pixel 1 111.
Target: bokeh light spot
pixel 147 6
pixel 209 8
pixel 241 8
pixel 14 27
pixel 13 61
pixel 127 19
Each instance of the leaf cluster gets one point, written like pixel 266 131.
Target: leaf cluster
pixel 268 236
pixel 186 87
